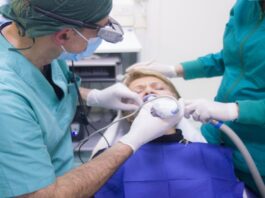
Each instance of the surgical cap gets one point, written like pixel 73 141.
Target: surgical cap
pixel 34 24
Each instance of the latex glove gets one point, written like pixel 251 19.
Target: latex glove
pixel 167 70
pixel 146 127
pixel 204 110
pixel 114 97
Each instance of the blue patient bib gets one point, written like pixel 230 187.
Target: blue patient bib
pixel 170 170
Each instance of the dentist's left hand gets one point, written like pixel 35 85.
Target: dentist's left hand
pixel 114 97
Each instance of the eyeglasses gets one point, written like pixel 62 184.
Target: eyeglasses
pixel 112 32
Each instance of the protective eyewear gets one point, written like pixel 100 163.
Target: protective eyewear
pixel 112 32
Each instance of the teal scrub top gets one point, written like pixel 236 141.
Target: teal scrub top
pixel 35 141
pixel 241 62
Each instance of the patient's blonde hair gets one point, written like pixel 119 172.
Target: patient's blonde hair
pixel 141 73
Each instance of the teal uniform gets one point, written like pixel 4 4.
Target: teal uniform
pixel 242 64
pixel 35 141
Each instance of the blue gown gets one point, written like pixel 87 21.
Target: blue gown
pixel 169 170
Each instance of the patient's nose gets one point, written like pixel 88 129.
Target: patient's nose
pixel 149 90
pixel 148 93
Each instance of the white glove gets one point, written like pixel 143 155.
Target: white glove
pixel 114 97
pixel 146 127
pixel 204 110
pixel 167 70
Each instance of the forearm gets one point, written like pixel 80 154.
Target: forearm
pixel 207 66
pixel 251 112
pixel 85 180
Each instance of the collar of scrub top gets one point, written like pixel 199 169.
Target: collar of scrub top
pixel 112 32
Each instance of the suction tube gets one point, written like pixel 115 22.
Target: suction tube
pixel 242 148
pixel 163 106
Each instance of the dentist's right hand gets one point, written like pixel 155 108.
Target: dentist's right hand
pixel 146 127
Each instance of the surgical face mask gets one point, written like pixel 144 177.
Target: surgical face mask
pixel 92 45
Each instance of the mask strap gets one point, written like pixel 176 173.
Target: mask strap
pixel 80 34
pixel 63 48
pixel 24 48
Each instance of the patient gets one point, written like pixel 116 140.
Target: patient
pixel 171 166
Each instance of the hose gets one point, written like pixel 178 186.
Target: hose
pixel 243 150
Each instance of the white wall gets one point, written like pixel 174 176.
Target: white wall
pixel 180 30
pixel 172 31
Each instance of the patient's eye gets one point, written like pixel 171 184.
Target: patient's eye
pixel 158 86
pixel 138 89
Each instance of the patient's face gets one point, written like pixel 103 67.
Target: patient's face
pixel 150 85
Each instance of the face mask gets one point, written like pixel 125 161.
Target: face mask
pixel 92 45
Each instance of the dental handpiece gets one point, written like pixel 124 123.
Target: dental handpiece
pixel 163 107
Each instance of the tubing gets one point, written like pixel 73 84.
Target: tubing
pixel 242 148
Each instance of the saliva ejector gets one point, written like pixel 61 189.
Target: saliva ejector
pixel 162 106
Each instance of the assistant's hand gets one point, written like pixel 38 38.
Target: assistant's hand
pixel 146 127
pixel 114 97
pixel 204 110
pixel 170 71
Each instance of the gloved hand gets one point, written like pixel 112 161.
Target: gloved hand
pixel 146 127
pixel 204 110
pixel 114 97
pixel 168 70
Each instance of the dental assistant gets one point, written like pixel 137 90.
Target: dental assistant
pixel 38 99
pixel 240 100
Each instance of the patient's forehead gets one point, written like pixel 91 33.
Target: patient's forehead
pixel 146 80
